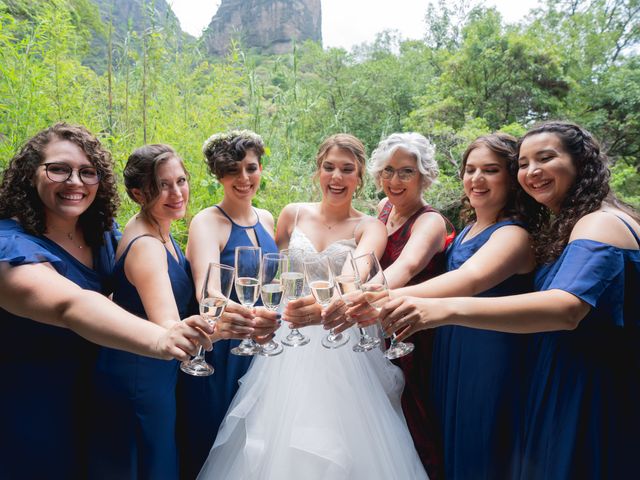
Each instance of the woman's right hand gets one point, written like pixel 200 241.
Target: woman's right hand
pixel 182 339
pixel 361 311
pixel 236 322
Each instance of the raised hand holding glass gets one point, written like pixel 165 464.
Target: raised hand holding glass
pixel 272 293
pixel 293 282
pixel 248 265
pixel 376 293
pixel 215 295
pixel 319 277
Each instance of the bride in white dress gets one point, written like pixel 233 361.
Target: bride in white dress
pixel 313 412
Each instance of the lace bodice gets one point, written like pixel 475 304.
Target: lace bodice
pixel 301 241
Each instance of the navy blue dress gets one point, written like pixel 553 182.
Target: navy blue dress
pixel 134 435
pixel 583 407
pixel 46 370
pixel 476 380
pixel 203 401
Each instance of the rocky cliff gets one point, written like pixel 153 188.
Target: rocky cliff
pixel 270 26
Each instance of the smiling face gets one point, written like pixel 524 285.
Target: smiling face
pixel 486 180
pixel 69 199
pixel 399 192
pixel 545 170
pixel 171 202
pixel 338 176
pixel 242 179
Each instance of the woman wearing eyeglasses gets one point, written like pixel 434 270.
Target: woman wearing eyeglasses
pixel 403 167
pixel 57 201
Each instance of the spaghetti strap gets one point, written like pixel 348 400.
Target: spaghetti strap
pixel 295 220
pixel 633 232
pixel 234 223
pixel 224 213
pixel 126 250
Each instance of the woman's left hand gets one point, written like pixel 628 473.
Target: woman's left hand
pixel 303 312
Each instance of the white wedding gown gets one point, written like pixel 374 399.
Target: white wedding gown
pixel 316 413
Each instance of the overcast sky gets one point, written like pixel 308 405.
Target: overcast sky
pixel 350 22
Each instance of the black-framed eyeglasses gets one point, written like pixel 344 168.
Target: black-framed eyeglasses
pixel 405 174
pixel 61 172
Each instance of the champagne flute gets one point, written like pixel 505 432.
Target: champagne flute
pixel 349 285
pixel 215 295
pixel 376 293
pixel 248 265
pixel 317 273
pixel 272 293
pixel 293 282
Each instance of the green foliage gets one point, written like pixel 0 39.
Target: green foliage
pixel 472 74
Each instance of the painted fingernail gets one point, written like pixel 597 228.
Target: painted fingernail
pixel 278 316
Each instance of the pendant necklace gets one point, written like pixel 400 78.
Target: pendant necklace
pixel 69 235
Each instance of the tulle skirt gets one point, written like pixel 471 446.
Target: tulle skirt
pixel 316 413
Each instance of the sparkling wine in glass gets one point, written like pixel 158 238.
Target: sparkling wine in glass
pixel 272 293
pixel 376 293
pixel 248 265
pixel 293 283
pixel 215 295
pixel 349 285
pixel 319 277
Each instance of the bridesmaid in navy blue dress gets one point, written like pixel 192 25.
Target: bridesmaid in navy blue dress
pixel 57 201
pixel 135 407
pixel 234 158
pixel 476 374
pixel 581 418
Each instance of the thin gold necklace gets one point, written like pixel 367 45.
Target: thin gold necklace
pixel 69 235
pixel 472 234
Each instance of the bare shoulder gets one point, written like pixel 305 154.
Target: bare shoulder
pixel 431 220
pixel 209 219
pixel 370 224
pixel 147 247
pixel 605 226
pixel 512 236
pixel 285 223
pixel 265 218
pixel 289 212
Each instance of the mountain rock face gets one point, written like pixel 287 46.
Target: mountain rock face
pixel 136 15
pixel 270 26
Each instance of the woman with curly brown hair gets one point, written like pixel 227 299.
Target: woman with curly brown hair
pixel 581 416
pixel 57 200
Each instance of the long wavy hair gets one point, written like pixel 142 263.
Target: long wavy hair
pixel 19 198
pixel 516 207
pixel 589 190
pixel 348 143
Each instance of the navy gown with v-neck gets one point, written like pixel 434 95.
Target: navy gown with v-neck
pixel 46 370
pixel 135 408
pixel 203 401
pixel 476 380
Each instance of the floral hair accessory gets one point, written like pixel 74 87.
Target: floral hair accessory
pixel 218 139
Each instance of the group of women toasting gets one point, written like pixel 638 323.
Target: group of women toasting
pixel 525 325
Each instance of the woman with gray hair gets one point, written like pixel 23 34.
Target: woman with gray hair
pixel 404 166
